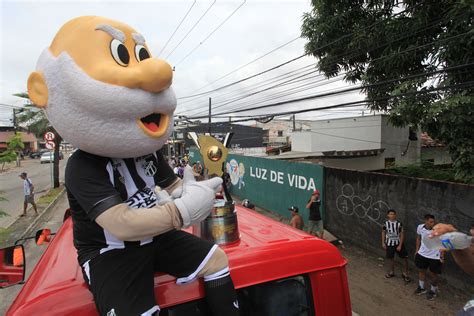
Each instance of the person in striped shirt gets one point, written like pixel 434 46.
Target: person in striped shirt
pixel 393 238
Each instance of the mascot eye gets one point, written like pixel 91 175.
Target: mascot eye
pixel 119 52
pixel 141 53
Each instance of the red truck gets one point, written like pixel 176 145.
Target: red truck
pixel 277 270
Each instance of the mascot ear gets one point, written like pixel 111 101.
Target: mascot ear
pixel 37 89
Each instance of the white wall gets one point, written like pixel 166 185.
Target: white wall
pixel 395 141
pixel 357 133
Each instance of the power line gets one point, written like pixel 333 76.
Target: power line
pixel 262 83
pixel 242 80
pixel 432 24
pixel 343 91
pixel 192 28
pixel 291 60
pixel 409 50
pixel 210 34
pixel 176 29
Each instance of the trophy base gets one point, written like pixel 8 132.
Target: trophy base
pixel 221 225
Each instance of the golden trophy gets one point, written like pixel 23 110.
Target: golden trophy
pixel 221 225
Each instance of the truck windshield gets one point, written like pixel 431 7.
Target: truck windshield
pixel 289 297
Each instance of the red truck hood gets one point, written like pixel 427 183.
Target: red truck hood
pixel 268 250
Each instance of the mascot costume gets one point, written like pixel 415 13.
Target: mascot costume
pixel 105 94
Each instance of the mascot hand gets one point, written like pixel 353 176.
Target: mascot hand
pixel 198 198
pixel 177 192
pixel 162 197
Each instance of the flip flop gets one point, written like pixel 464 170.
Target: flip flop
pixel 389 275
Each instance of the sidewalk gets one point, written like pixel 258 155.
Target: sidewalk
pixel 21 226
pixel 51 218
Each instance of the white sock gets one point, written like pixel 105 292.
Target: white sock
pixel 422 284
pixel 434 289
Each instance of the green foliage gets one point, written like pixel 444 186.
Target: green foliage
pixel 15 143
pixel 2 213
pixel 50 196
pixel 7 156
pixel 38 124
pixel 375 41
pixel 34 119
pixel 426 171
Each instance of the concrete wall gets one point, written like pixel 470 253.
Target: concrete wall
pixel 356 204
pixel 395 141
pixel 348 134
pixel 360 163
pixel 439 155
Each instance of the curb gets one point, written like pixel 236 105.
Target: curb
pixel 47 208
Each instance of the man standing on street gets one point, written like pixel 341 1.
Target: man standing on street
pixel 28 190
pixel 296 219
pixel 393 241
pixel 427 259
pixel 315 222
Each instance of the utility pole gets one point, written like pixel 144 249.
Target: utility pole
pixel 209 127
pixel 14 120
pixel 294 123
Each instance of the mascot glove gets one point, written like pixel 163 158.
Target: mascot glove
pixel 177 192
pixel 162 197
pixel 197 199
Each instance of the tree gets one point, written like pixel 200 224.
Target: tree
pixel 15 145
pixel 430 42
pixel 37 123
pixel 7 156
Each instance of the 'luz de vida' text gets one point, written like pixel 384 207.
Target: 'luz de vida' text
pixel 293 180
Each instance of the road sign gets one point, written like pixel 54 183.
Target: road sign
pixel 50 145
pixel 48 136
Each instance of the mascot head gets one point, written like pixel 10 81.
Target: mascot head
pixel 102 90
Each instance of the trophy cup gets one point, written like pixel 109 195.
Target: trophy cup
pixel 221 225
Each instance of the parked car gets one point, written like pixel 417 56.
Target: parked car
pixel 38 154
pixel 49 157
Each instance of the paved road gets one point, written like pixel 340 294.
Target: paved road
pixel 52 219
pixel 12 186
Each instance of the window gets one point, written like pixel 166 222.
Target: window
pixel 280 133
pixel 389 162
pixel 291 296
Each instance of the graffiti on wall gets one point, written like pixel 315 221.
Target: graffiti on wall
pixel 350 204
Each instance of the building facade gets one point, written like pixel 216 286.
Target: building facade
pixel 360 143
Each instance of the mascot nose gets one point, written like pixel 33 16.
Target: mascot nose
pixel 155 75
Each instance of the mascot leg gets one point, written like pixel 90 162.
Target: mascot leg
pixel 188 257
pixel 220 292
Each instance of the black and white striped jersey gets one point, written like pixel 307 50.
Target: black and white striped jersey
pixel 94 184
pixel 392 232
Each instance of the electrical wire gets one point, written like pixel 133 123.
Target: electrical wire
pixel 465 85
pixel 210 34
pixel 294 59
pixel 192 28
pixel 411 49
pixel 176 29
pixel 432 24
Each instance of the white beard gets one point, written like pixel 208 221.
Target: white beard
pixel 97 117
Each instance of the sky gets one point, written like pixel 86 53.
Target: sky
pixel 256 28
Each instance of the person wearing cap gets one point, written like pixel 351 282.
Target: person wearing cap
pixel 315 222
pixel 28 190
pixel 296 219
